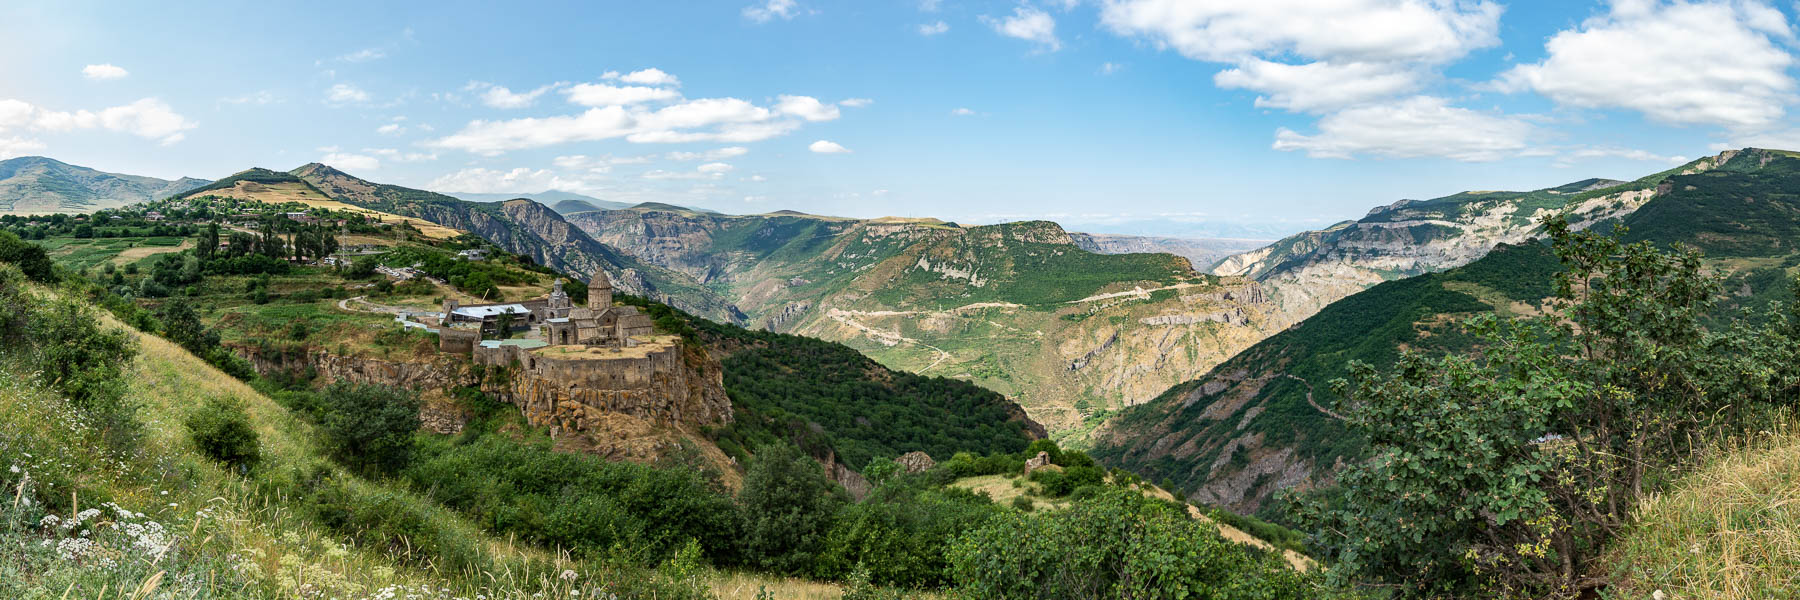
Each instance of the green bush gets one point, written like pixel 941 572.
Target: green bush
pixel 221 430
pixel 897 535
pixel 1118 544
pixel 369 427
pixel 788 504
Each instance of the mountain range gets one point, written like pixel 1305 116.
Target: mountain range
pixel 1262 421
pixel 38 185
pixel 561 201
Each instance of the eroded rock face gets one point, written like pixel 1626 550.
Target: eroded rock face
pixel 628 409
pixel 915 462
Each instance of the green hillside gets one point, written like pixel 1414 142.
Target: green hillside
pixel 39 185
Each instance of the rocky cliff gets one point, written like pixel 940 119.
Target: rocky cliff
pixel 633 409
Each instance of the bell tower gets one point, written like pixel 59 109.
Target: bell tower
pixel 600 291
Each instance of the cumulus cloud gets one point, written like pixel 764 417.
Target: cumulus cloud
pixel 600 94
pixel 855 102
pixel 364 55
pixel 806 107
pixel 642 115
pixel 1569 157
pixel 480 180
pixel 827 147
pixel 344 93
pixel 714 170
pixel 1711 63
pixel 930 29
pixel 351 162
pixel 500 97
pixel 18 146
pixel 103 71
pixel 1029 24
pixel 391 129
pixel 398 155
pixel 1317 86
pixel 147 118
pixel 651 76
pixel 716 167
pixel 1415 127
pixel 762 12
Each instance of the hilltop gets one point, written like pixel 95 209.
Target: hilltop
pixel 1259 422
pixel 563 202
pixel 39 185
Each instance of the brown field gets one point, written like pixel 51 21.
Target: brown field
pixel 131 255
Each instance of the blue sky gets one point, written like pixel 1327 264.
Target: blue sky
pixel 1131 115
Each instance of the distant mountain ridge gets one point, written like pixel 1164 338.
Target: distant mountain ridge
pixel 35 184
pixel 1256 424
pixel 1202 252
pixel 562 201
pixel 1307 271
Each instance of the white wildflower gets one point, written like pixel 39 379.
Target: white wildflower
pixel 568 575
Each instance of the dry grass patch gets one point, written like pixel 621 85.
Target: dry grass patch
pixel 1730 529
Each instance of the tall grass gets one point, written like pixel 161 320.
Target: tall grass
pixel 1729 529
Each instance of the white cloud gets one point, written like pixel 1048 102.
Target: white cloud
pixel 855 102
pixel 827 147
pixel 1421 126
pixel 756 178
pixel 103 71
pixel 762 12
pixel 147 118
pixel 1341 30
pixel 961 112
pixel 715 167
pixel 600 94
pixel 1029 24
pixel 500 97
pixel 344 93
pixel 351 162
pixel 806 107
pixel 480 180
pixel 708 171
pixel 1317 86
pixel 728 120
pixel 1110 68
pixel 929 5
pixel 1312 56
pixel 716 154
pixel 397 155
pixel 390 129
pixel 18 146
pixel 1711 63
pixel 1614 152
pixel 651 76
pixel 937 28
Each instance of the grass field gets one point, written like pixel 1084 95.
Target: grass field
pixel 84 253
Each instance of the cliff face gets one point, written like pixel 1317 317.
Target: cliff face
pixel 629 409
pixel 1307 271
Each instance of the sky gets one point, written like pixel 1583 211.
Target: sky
pixel 1136 116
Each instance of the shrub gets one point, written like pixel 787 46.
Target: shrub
pixel 1118 544
pixel 221 430
pixel 788 504
pixel 898 534
pixel 370 427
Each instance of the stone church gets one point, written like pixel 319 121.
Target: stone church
pixel 597 324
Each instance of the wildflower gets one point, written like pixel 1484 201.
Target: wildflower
pixel 568 575
pixel 49 521
pixel 15 469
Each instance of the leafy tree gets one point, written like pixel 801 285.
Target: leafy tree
pixel 788 504
pixel 30 258
pixel 370 427
pixel 1505 470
